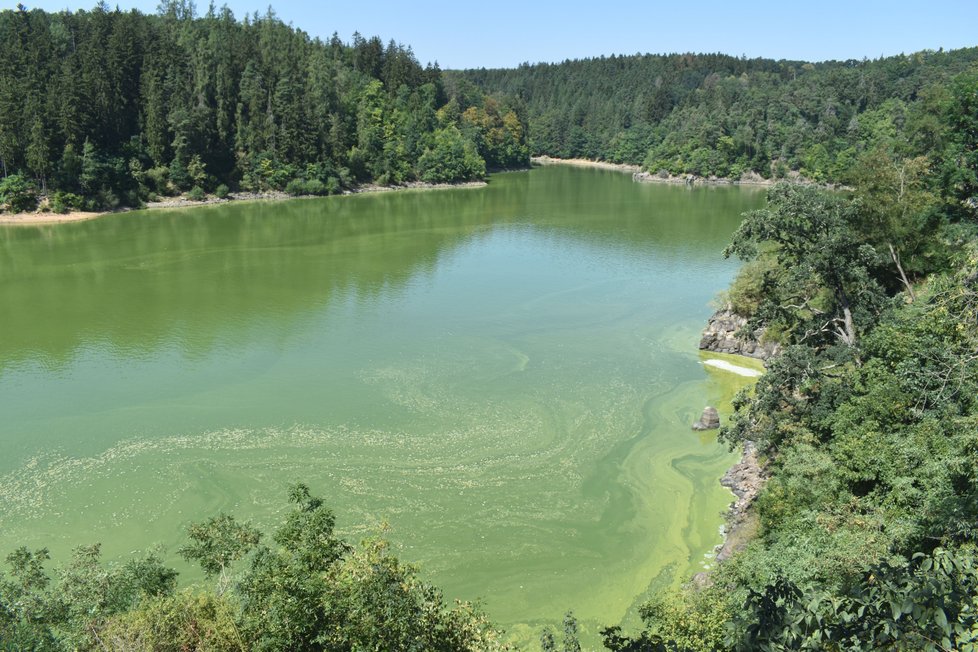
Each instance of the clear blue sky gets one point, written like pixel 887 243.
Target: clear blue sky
pixel 504 33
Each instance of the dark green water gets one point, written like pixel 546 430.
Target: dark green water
pixel 505 375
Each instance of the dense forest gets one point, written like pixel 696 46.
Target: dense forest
pixel 106 108
pixel 865 532
pixel 717 115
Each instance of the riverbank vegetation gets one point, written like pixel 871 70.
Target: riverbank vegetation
pixel 105 108
pixel 868 420
pixel 718 115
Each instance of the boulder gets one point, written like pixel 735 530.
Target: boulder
pixel 710 420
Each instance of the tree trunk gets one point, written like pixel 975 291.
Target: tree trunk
pixel 903 277
pixel 850 332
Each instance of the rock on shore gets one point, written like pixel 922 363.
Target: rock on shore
pixel 710 420
pixel 745 480
pixel 721 336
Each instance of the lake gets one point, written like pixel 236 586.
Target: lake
pixel 502 379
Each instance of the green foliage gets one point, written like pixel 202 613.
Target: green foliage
pixel 218 542
pixel 897 211
pixel 196 170
pixel 175 623
pixel 314 591
pixel 868 421
pixel 959 170
pixel 823 287
pixel 451 158
pixel 36 615
pixel 712 114
pixel 196 194
pixel 747 290
pixel 571 641
pixel 17 194
pixel 929 605
pixel 498 134
pixel 547 641
pixel 689 620
pixel 299 187
pixel 26 610
pixel 222 191
pixel 137 104
pixel 308 591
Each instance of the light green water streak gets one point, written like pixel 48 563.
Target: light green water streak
pixel 505 375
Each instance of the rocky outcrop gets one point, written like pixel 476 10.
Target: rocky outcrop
pixel 710 420
pixel 721 336
pixel 662 176
pixel 745 480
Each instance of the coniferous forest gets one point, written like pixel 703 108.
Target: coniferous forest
pixel 864 535
pixel 105 108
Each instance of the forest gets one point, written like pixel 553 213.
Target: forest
pixel 865 533
pixel 717 115
pixel 103 108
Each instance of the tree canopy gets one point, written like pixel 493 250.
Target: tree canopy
pixel 103 108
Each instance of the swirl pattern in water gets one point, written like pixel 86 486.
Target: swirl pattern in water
pixel 505 375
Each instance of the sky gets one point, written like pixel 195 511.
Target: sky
pixel 505 33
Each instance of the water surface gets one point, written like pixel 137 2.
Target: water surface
pixel 506 376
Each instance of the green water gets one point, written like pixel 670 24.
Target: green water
pixel 504 375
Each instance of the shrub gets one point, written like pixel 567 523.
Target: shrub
pixel 296 187
pixel 315 187
pixel 196 194
pixel 158 179
pixel 222 191
pixel 17 194
pixel 65 202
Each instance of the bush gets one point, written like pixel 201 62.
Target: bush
pixel 158 179
pixel 65 202
pixel 315 187
pixel 17 194
pixel 747 289
pixel 185 621
pixel 196 194
pixel 296 187
pixel 222 191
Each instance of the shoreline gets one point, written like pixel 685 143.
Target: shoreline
pixel 641 176
pixel 46 219
pixel 745 479
pixel 586 163
pixel 747 179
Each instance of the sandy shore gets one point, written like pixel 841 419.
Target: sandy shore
pixel 585 163
pixel 39 218
pixel 639 175
pixel 29 219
